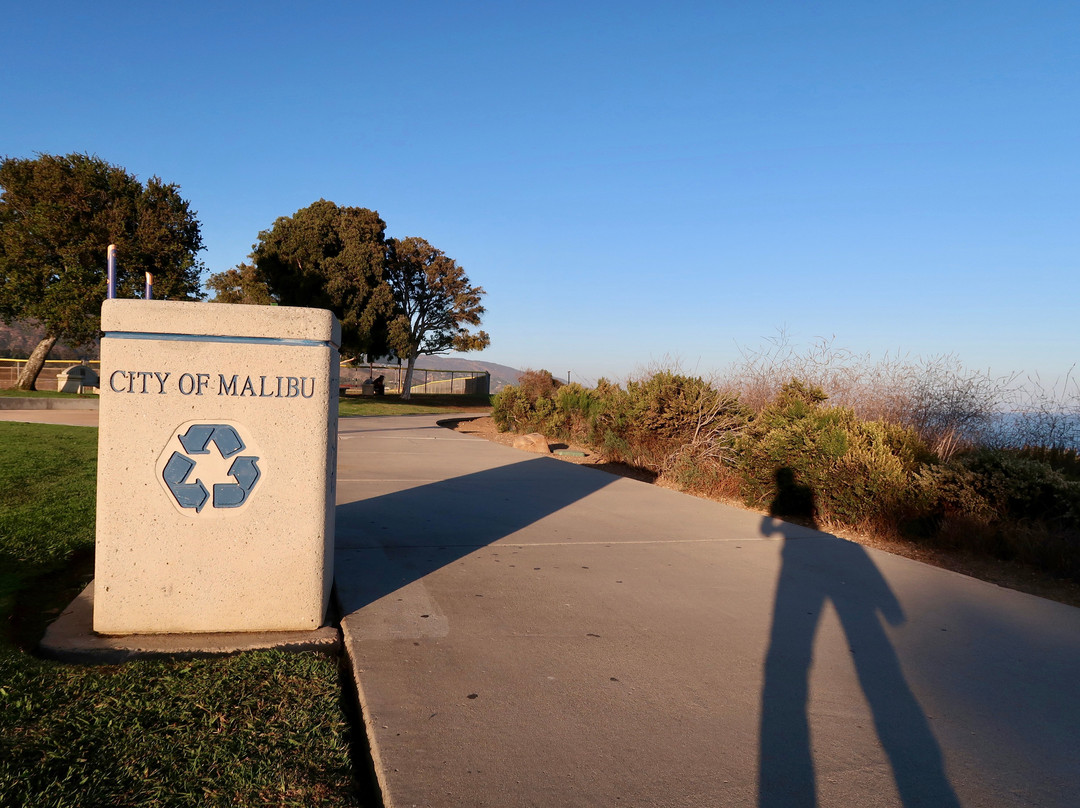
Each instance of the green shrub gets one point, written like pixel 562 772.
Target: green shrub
pixel 510 409
pixel 526 406
pixel 1066 461
pixel 859 471
pixel 608 416
pixel 1003 504
pixel 654 424
pixel 538 384
pixel 1021 489
pixel 675 420
pixel 669 405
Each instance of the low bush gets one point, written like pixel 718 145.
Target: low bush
pixel 917 480
pixel 1019 488
pixel 652 424
pixel 861 472
pixel 526 406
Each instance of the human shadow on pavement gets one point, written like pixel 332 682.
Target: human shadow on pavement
pixel 385 542
pixel 816 570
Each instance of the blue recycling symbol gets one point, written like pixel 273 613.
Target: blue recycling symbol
pixel 196 441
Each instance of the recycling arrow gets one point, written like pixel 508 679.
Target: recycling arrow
pixel 243 474
pixel 199 436
pixel 189 495
pixel 245 470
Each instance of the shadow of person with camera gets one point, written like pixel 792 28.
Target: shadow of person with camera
pixel 818 569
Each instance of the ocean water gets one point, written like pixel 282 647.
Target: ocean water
pixel 1034 429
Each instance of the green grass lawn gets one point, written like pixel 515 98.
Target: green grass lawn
pixel 262 728
pixel 417 405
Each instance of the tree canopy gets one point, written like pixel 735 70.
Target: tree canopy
pixel 241 284
pixel 331 257
pixel 395 295
pixel 58 215
pixel 434 303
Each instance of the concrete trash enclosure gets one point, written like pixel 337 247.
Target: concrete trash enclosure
pixel 76 378
pixel 216 467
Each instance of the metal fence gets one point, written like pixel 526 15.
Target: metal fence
pixel 46 380
pixel 424 380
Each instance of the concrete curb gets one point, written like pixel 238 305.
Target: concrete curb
pixel 71 638
pixel 48 403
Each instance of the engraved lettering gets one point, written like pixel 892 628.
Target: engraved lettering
pixel 142 382
pixel 145 374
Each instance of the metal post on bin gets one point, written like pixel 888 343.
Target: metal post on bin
pixel 111 261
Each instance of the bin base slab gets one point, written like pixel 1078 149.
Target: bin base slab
pixel 71 638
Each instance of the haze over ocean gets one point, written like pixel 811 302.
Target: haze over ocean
pixel 626 180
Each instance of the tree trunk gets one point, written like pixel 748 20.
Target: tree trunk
pixel 406 387
pixel 28 375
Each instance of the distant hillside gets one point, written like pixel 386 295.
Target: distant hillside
pixel 501 375
pixel 21 337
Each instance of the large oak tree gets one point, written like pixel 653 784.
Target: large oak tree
pixel 329 256
pixel 434 304
pixel 58 215
pixel 404 295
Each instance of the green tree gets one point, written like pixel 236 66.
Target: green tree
pixel 241 284
pixel 58 215
pixel 434 304
pixel 331 257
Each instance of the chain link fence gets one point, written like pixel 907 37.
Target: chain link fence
pixel 46 380
pixel 424 380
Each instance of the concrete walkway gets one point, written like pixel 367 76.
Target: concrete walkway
pixel 527 632
pixel 49 416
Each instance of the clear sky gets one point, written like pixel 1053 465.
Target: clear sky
pixel 627 180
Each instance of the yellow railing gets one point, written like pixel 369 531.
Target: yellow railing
pixel 10 368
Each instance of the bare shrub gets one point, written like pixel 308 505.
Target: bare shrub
pixel 537 384
pixel 1040 415
pixel 949 406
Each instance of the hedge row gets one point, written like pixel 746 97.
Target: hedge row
pixel 862 474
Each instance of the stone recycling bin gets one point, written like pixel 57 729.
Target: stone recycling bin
pixel 216 467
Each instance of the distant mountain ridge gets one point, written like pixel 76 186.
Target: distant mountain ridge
pixel 501 375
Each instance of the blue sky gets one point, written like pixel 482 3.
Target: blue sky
pixel 626 180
